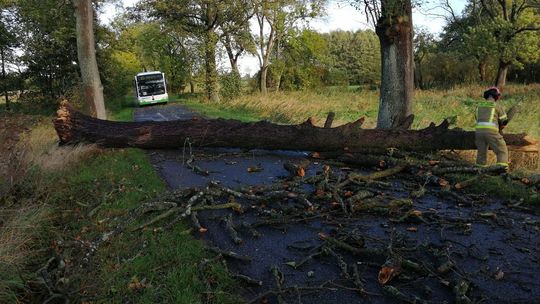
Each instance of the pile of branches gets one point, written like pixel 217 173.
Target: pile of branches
pixel 334 197
pixel 337 196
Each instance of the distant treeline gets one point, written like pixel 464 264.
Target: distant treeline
pixel 37 40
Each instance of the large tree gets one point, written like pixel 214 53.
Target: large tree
pixel 275 18
pixel 514 26
pixel 235 34
pixel 393 24
pixel 464 34
pixel 355 57
pixel 204 19
pixel 424 45
pixel 86 53
pixel 49 48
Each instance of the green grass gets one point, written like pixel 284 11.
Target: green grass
pixel 215 111
pixel 119 181
pixel 89 193
pixel 168 261
pixel 498 186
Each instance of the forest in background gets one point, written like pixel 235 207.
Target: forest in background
pixel 38 43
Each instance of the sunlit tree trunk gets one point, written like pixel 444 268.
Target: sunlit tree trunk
pixel 233 57
pixel 482 68
pixel 394 29
pixel 500 82
pixel 264 73
pixel 86 52
pixel 211 81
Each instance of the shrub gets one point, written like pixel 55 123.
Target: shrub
pixel 231 85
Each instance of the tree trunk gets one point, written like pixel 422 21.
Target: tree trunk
pixel 86 51
pixel 418 78
pixel 191 87
pixel 211 83
pixel 482 69
pixel 500 82
pixel 75 127
pixel 394 29
pixel 4 78
pixel 233 58
pixel 264 73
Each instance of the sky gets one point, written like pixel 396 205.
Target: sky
pixel 339 16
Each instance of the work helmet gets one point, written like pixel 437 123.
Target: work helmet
pixel 493 92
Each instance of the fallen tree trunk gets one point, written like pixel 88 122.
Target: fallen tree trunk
pixel 74 127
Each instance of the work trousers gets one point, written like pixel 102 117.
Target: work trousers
pixel 487 138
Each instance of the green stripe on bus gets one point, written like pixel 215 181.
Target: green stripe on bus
pixel 154 101
pixel 487 127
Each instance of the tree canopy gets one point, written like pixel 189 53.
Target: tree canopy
pixel 201 43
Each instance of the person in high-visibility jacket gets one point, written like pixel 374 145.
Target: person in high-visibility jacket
pixel 490 120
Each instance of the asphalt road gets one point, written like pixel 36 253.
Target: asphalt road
pixel 482 247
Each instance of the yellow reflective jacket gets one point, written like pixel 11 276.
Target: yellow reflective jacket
pixel 489 115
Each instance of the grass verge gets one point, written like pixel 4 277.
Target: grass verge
pixel 68 198
pixel 501 187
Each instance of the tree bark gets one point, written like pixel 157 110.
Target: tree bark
pixel 394 29
pixel 482 69
pixel 264 73
pixel 211 84
pixel 75 127
pixel 4 78
pixel 418 77
pixel 500 82
pixel 86 53
pixel 233 57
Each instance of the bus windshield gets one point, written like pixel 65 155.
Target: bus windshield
pixel 149 85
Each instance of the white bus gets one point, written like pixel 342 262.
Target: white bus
pixel 151 88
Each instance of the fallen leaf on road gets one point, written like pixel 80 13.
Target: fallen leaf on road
pixel 443 182
pixel 387 273
pixel 254 169
pixel 499 275
pixel 415 212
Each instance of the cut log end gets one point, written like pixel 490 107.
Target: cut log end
pixel 62 122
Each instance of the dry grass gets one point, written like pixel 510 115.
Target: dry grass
pixel 522 161
pixel 19 232
pixel 349 104
pixel 295 107
pixel 43 150
pixel 23 210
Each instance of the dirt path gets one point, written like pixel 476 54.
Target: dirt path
pixel 486 244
